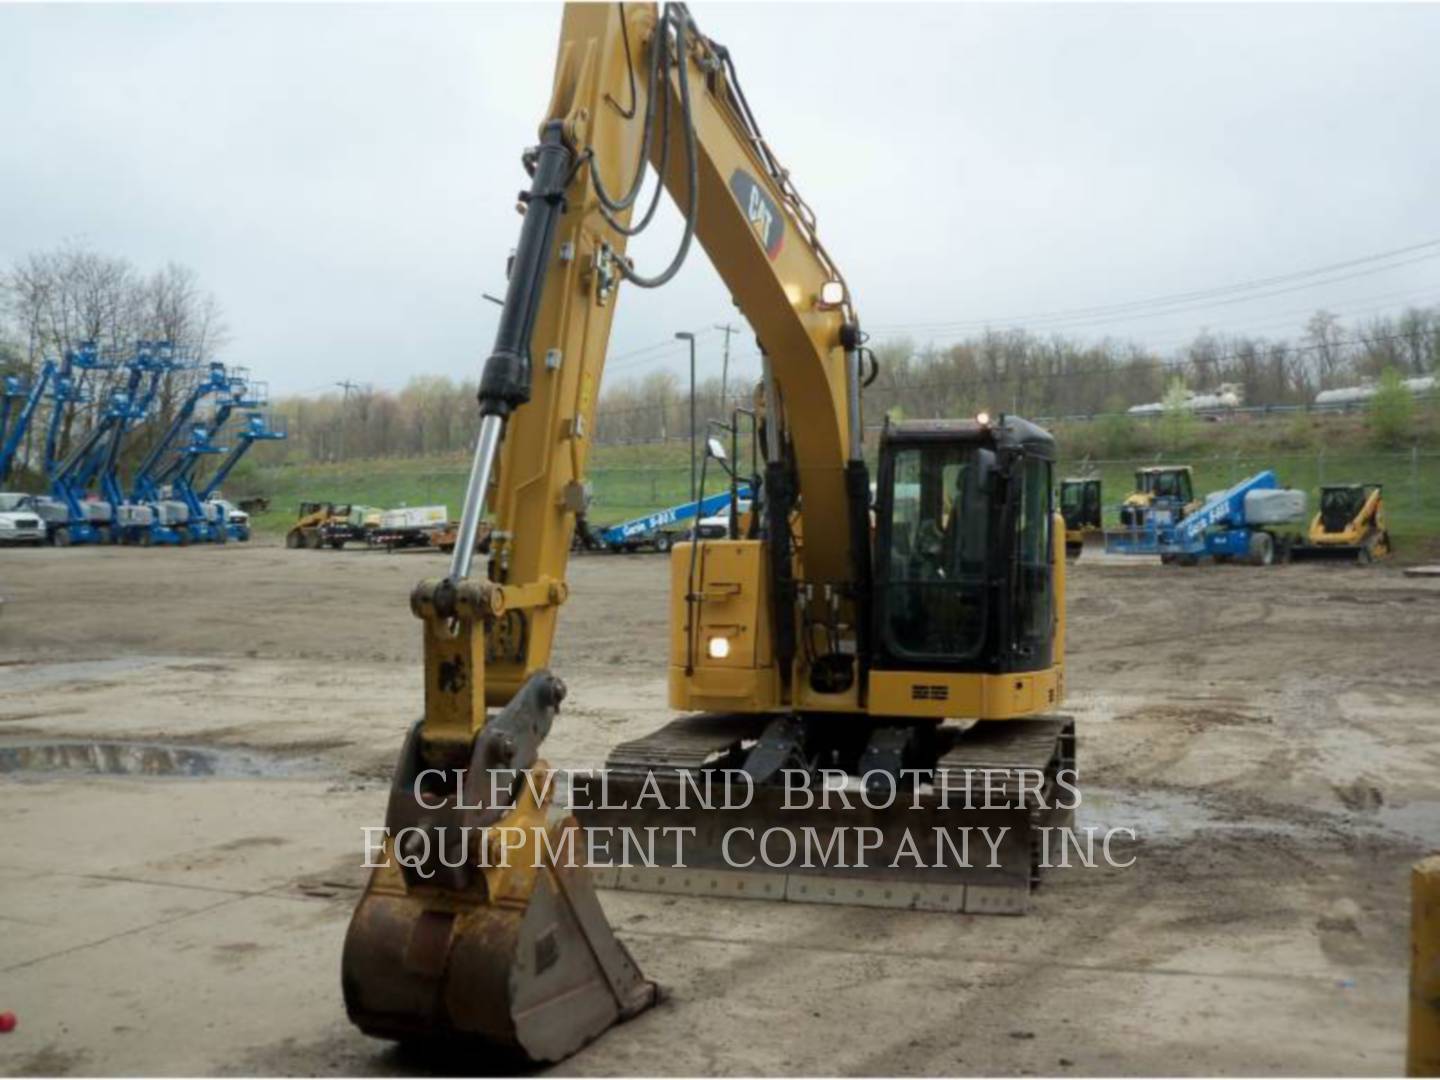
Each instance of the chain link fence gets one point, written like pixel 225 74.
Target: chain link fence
pixel 619 492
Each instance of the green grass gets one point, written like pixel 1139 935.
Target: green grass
pixel 627 481
pixel 632 480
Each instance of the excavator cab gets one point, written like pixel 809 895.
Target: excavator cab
pixel 1081 508
pixel 962 518
pixel 1340 504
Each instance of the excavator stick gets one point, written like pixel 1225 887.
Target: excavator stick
pixel 968 835
pixel 480 924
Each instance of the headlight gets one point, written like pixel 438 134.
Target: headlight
pixel 718 648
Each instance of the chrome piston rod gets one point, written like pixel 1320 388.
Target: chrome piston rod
pixel 486 446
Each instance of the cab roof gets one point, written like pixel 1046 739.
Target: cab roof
pixel 1005 432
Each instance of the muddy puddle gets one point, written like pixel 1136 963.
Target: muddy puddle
pixel 80 757
pixel 69 673
pixel 1168 816
pixel 1174 817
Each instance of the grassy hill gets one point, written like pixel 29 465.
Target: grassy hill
pixel 631 480
pixel 627 481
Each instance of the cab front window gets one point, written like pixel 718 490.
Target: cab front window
pixel 932 589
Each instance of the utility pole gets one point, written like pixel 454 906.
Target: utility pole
pixel 727 330
pixel 685 335
pixel 347 386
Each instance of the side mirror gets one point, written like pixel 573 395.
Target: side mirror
pixel 715 448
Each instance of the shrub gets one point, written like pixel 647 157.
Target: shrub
pixel 1177 422
pixel 1392 411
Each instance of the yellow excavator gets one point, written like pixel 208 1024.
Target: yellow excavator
pixel 1081 508
pixel 911 653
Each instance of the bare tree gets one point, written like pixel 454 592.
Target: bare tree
pixel 1325 339
pixel 54 302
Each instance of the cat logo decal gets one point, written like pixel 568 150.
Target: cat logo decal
pixel 765 218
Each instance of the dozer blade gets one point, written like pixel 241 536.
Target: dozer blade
pixel 492 934
pixel 932 848
pixel 1325 553
pixel 1351 553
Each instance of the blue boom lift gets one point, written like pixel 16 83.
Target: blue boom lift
pixel 1253 521
pixel 256 429
pixel 132 522
pixel 86 522
pixel 68 517
pixel 175 477
pixel 240 394
pixel 650 530
pixel 12 389
pixel 65 394
pixel 30 401
pixel 145 487
pixel 127 522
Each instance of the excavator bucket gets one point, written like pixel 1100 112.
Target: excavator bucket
pixel 481 924
pixel 535 977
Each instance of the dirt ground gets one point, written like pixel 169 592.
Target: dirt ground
pixel 1272 734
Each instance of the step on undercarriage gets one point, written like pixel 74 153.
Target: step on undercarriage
pixel 920 816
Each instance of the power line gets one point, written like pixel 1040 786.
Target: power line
pixel 1104 320
pixel 1432 247
pixel 1287 317
pixel 1108 366
pixel 897 329
pixel 667 345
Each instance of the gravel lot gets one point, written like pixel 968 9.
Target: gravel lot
pixel 1272 734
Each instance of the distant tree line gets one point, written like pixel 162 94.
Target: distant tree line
pixel 1055 376
pixel 1032 374
pixel 53 301
pixel 434 414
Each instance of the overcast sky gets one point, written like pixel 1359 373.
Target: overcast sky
pixel 343 177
